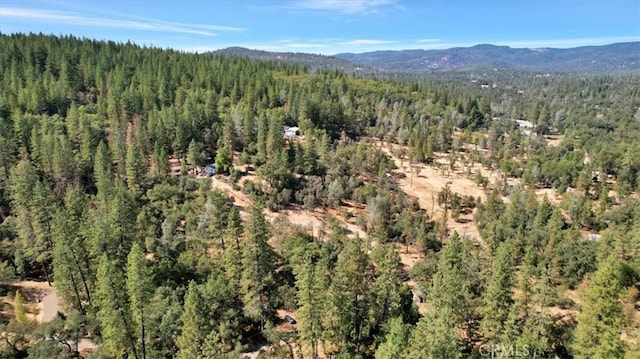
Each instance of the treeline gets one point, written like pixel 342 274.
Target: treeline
pixel 154 265
pixel 88 202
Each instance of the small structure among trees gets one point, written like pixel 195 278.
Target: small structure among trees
pixel 210 169
pixel 291 131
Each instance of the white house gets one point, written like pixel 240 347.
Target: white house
pixel 291 131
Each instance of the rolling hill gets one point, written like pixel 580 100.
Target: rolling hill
pixel 588 59
pixel 312 60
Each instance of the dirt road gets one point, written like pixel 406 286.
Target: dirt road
pixel 50 307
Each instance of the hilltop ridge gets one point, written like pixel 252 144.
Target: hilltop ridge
pixel 616 57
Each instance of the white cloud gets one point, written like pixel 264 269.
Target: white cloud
pixel 60 17
pixel 344 6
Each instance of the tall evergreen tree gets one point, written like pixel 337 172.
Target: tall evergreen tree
pixel 347 323
pixel 136 168
pixel 497 298
pixel 34 207
pixel 234 227
pixel 139 288
pixel 68 275
pixel 258 264
pixel 261 141
pixel 275 139
pixel 195 324
pixel 396 341
pixel 311 300
pixel 103 172
pixel 386 289
pixel 601 320
pixel 113 310
pixel 450 286
pixel 434 337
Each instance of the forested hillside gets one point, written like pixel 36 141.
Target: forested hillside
pixel 102 195
pixel 585 59
pixel 617 58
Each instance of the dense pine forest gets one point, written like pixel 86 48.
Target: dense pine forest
pixel 104 200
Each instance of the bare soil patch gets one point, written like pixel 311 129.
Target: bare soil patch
pixel 313 221
pixel 424 182
pixel 554 140
pixel 34 294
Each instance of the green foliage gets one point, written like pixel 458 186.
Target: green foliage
pixel 18 305
pixel 224 161
pixel 498 297
pixel 600 321
pixel 346 321
pixel 396 341
pixel 60 337
pixel 195 154
pixel 434 337
pixel 311 296
pixel 136 169
pixel 450 289
pixel 114 314
pixel 139 289
pixel 195 326
pixel 258 261
pixel 94 189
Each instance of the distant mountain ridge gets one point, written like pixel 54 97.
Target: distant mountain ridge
pixel 312 60
pixel 606 58
pixel 614 57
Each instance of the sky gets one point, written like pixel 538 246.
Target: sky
pixel 330 26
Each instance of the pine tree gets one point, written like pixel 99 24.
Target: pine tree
pixel 224 161
pixel 121 222
pixel 118 147
pixel 139 288
pixel 34 206
pixel 160 159
pixel 18 304
pixel 309 157
pixel 346 319
pixel 310 295
pixel 113 310
pixel 434 337
pixel 450 286
pixel 195 325
pixel 69 271
pixel 258 265
pixel 195 153
pixel 248 127
pixel 497 298
pixel 212 348
pixel 234 227
pixel 275 139
pixel 229 136
pixel 386 288
pixel 8 143
pixel 261 141
pixel 224 308
pixel 534 324
pixel 136 169
pixel 396 341
pixel 600 321
pixel 103 172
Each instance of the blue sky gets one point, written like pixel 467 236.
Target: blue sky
pixel 331 26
